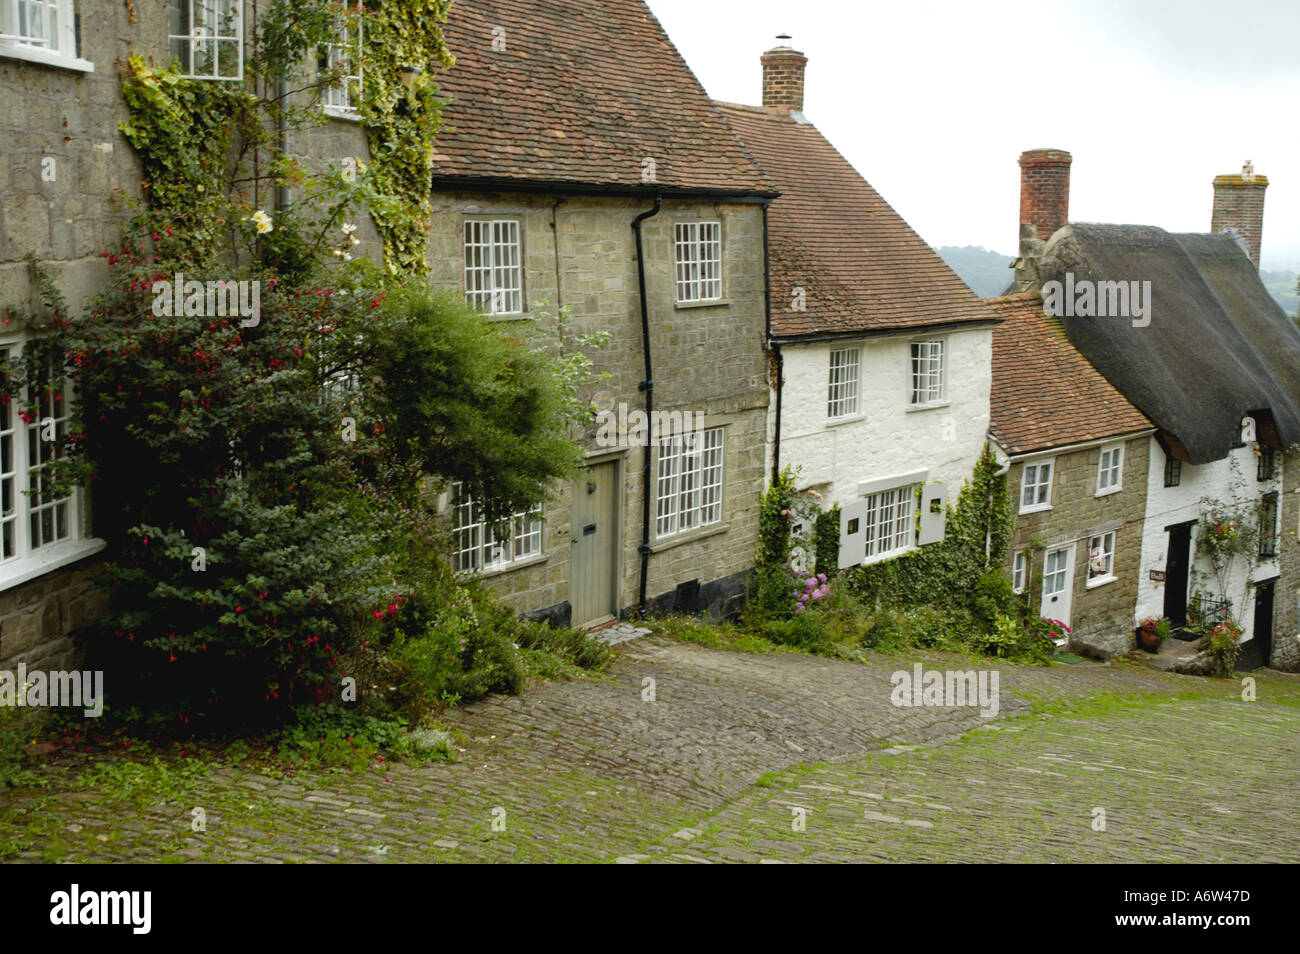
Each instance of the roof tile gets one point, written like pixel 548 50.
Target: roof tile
pixel 1046 394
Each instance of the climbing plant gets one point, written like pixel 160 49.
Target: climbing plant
pixel 965 569
pixel 826 540
pixel 401 125
pixel 212 158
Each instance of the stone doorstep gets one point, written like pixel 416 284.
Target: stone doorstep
pixel 614 634
pixel 1174 653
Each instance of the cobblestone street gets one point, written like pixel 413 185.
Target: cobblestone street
pixel 682 753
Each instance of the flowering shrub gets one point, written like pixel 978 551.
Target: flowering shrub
pixel 813 591
pixel 1048 630
pixel 1225 647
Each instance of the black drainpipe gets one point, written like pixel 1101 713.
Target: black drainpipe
pixel 776 349
pixel 648 386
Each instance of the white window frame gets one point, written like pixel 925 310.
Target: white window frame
pixel 1106 559
pixel 28 560
pixel 1020 571
pixel 927 373
pixel 689 476
pixel 1061 574
pixel 477 549
pixel 56 42
pixel 223 44
pixel 1110 465
pixel 698 257
pixel 843 391
pixel 338 100
pixel 1042 488
pixel 494 265
pixel 890 522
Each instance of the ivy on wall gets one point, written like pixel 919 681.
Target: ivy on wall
pixel 200 141
pixel 966 567
pixel 401 125
pixel 183 131
pixel 826 541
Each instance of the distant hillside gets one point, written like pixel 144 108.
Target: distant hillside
pixel 1281 285
pixel 985 273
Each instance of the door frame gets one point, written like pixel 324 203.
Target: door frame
pixel 618 458
pixel 1069 549
pixel 1264 648
pixel 1178 615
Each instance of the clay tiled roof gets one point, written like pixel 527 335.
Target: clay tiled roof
pixel 861 266
pixel 583 92
pixel 1045 394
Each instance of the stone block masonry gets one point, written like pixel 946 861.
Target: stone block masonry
pixel 39 618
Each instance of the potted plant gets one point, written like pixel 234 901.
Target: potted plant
pixel 1152 632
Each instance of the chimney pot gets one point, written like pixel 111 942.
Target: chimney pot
pixel 783 69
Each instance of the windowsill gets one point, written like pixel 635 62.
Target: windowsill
pixel 1108 492
pixel 511 316
pixel 35 54
pixel 931 406
pixel 690 536
pixel 1039 508
pixel 511 567
pixel 338 112
pixel 710 303
pixel 1100 581
pixel 45 561
pixel 850 419
pixel 882 557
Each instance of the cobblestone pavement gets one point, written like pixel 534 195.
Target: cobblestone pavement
pixel 682 753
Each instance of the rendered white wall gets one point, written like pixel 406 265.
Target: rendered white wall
pixel 1219 481
pixel 886 439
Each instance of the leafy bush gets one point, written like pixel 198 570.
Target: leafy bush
pixel 18 726
pixel 806 631
pixel 1225 647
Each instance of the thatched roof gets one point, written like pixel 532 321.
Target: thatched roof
pixel 1218 346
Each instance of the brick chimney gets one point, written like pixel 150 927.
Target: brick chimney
pixel 1045 190
pixel 783 77
pixel 1239 205
pixel 1044 208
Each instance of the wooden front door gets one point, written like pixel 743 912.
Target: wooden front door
pixel 1262 631
pixel 593 563
pixel 1176 563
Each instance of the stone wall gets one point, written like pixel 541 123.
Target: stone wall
pixel 37 619
pixel 1102 616
pixel 1286 608
pixel 67 184
pixel 708 359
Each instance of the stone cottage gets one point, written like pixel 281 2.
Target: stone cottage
pixel 66 186
pixel 581 166
pixel 1076 453
pixel 1181 325
pixel 882 354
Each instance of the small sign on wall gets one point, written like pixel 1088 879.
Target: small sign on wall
pixel 1157 576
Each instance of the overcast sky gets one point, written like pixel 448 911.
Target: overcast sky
pixel 934 100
